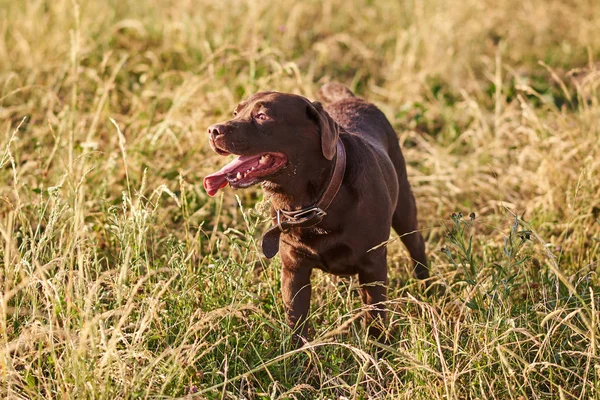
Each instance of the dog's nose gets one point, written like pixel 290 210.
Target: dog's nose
pixel 215 130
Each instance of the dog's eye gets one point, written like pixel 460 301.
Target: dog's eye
pixel 260 116
pixel 234 113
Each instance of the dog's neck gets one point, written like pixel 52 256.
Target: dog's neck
pixel 301 185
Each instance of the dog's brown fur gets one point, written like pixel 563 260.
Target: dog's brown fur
pixel 375 193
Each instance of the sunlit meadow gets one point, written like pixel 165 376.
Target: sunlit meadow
pixel 121 278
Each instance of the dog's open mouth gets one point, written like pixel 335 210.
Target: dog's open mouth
pixel 244 171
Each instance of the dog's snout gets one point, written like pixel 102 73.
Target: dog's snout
pixel 216 130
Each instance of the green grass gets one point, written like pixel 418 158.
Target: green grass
pixel 121 278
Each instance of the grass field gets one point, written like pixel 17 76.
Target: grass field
pixel 121 278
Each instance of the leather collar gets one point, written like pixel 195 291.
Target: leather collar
pixel 308 216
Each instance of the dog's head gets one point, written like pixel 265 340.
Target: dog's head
pixel 270 132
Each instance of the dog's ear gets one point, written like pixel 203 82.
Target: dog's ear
pixel 328 128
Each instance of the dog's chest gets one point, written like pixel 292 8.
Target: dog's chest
pixel 323 250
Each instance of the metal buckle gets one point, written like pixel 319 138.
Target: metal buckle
pixel 302 213
pixel 295 216
pixel 279 220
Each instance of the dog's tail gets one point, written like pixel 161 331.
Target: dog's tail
pixel 332 92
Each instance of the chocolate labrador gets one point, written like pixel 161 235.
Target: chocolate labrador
pixel 336 179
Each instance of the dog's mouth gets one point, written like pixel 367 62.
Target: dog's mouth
pixel 244 171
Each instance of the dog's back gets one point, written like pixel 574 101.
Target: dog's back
pixel 358 116
pixel 364 119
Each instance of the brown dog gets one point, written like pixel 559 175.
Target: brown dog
pixel 337 182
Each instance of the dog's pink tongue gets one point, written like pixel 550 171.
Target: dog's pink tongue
pixel 214 182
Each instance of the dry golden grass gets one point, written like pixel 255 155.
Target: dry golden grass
pixel 122 279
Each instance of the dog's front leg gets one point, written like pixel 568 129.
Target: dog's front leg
pixel 373 278
pixel 296 290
